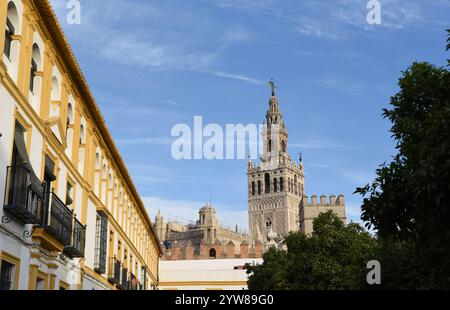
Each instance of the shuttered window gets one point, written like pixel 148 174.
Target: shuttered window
pixel 101 238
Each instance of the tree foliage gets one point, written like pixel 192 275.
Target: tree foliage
pixel 408 204
pixel 410 196
pixel 333 257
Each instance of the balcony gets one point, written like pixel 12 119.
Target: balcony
pixel 59 221
pixel 114 270
pixel 132 283
pixel 76 248
pixel 123 279
pixel 22 198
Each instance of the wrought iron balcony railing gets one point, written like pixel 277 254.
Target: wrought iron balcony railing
pixel 123 279
pixel 21 198
pixel 132 284
pixel 77 246
pixel 59 221
pixel 114 270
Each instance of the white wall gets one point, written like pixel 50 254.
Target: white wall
pixel 204 274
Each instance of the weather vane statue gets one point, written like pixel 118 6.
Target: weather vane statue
pixel 272 86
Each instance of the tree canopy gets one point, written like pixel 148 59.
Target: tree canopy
pixel 333 257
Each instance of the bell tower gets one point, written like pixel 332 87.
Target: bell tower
pixel 276 183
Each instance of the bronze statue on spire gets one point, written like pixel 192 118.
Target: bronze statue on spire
pixel 272 86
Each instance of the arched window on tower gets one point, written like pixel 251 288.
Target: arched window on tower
pixel 259 187
pixel 269 146
pixel 283 146
pixel 275 185
pixel 253 188
pixel 295 184
pixel 267 183
pixel 281 184
pixel 268 225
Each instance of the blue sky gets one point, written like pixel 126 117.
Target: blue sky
pixel 153 64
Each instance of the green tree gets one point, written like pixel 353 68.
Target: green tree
pixel 408 204
pixel 410 196
pixel 333 257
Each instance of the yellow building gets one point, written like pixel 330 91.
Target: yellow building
pixel 71 217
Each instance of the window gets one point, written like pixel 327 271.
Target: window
pixel 101 238
pixel 268 224
pixel 143 278
pixel 69 117
pixel 35 66
pixel 269 147
pixel 6 280
pixel 259 188
pixel 40 284
pixel 12 25
pixel 33 74
pixel 253 188
pixel 281 184
pixel 267 183
pixel 82 134
pixel 9 32
pixel 275 185
pixel 69 194
pixel 212 253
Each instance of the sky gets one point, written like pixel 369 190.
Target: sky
pixel 156 63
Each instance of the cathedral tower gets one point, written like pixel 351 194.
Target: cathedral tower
pixel 276 185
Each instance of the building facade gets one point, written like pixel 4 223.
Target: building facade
pixel 71 217
pixel 277 203
pixel 204 239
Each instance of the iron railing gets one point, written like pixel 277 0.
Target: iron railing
pixel 59 222
pixel 132 283
pixel 77 246
pixel 123 279
pixel 114 270
pixel 21 200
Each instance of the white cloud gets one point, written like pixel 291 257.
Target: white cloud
pixel 238 77
pixel 235 35
pixel 129 50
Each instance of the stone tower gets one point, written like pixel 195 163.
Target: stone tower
pixel 208 221
pixel 276 185
pixel 160 226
